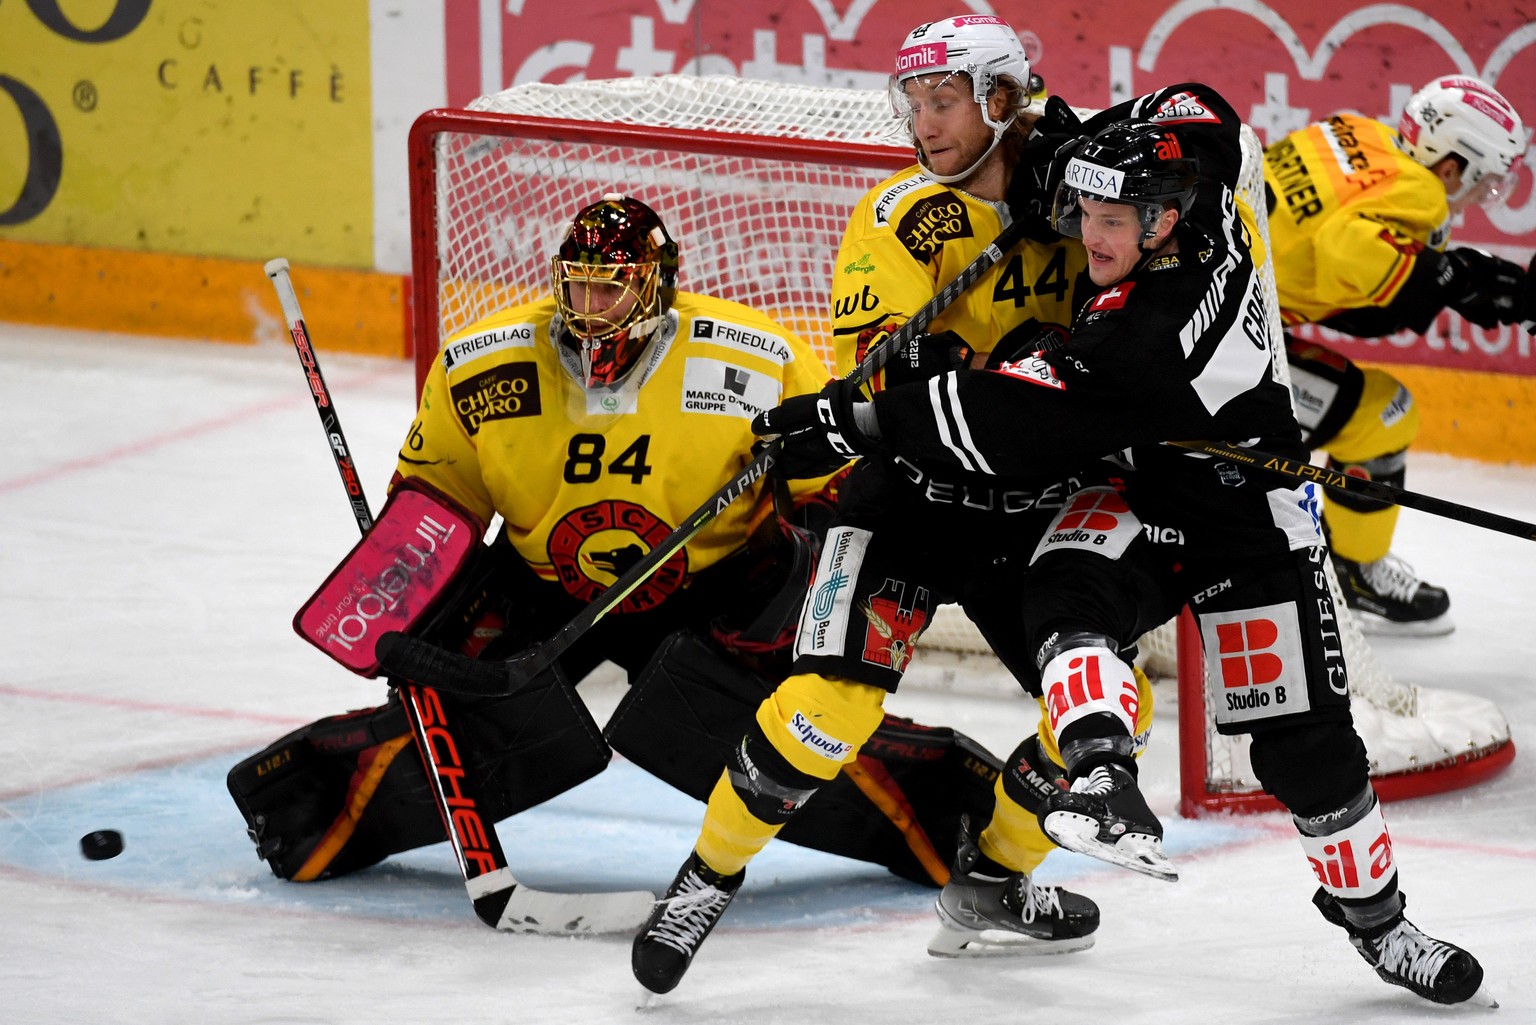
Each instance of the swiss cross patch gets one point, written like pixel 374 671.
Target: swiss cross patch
pixel 1112 298
pixel 1184 108
pixel 1034 370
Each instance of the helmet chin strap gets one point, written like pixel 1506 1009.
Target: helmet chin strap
pixel 950 179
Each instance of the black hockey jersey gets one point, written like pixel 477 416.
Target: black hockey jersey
pixel 1179 350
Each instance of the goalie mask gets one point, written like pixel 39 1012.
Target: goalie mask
pixel 615 277
pixel 983 48
pixel 1470 119
pixel 1133 162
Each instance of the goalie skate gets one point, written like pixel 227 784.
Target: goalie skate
pixel 1104 816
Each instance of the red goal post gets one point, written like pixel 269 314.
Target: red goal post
pixel 756 180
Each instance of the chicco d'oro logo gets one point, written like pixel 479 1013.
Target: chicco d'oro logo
pixel 593 546
pixel 932 221
pixel 501 393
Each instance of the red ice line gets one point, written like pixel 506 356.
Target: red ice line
pixel 148 444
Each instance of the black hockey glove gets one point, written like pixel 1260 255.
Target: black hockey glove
pixel 1032 186
pixel 1484 288
pixel 926 356
pixel 818 432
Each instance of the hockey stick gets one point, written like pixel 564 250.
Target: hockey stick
pixel 1363 487
pixel 499 899
pixel 419 660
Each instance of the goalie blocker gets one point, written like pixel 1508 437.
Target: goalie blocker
pixel 348 791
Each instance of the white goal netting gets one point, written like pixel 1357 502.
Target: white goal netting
pixel 756 180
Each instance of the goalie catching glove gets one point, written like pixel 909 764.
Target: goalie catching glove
pixel 819 433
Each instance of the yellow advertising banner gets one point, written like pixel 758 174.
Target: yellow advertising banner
pixel 200 127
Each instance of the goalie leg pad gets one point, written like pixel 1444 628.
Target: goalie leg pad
pixel 349 790
pixel 899 803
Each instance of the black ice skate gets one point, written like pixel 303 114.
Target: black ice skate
pixel 1388 598
pixel 680 921
pixel 982 915
pixel 1404 956
pixel 1104 816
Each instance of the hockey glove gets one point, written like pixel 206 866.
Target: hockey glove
pixel 1484 288
pixel 818 432
pixel 1032 186
pixel 926 356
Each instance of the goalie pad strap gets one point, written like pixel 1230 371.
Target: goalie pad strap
pixel 875 783
pixel 372 765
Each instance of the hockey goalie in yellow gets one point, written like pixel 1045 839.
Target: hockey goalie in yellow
pixel 588 479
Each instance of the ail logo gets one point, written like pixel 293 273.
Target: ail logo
pixel 1339 867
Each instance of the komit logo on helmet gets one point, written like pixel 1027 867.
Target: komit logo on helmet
pixel 1101 181
pixel 926 55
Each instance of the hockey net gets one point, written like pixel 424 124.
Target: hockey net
pixel 756 180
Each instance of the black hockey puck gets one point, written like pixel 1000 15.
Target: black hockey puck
pixel 102 844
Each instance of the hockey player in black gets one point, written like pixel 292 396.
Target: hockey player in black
pixel 1175 345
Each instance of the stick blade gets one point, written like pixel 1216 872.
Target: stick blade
pixel 575 914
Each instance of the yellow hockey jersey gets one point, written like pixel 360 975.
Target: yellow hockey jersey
pixel 1349 214
pixel 910 235
pixel 588 482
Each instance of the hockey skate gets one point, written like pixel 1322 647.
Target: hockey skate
pixel 679 922
pixel 1389 599
pixel 1104 816
pixel 1404 956
pixel 981 915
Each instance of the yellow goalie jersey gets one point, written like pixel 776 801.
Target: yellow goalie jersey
pixel 1349 214
pixel 589 481
pixel 910 236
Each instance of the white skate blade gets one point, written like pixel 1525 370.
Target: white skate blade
pixel 1138 852
pixel 1483 998
pixel 949 941
pixel 575 914
pixel 1373 625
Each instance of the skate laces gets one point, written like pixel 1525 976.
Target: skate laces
pixel 689 914
pixel 1392 577
pixel 1037 901
pixel 1409 954
pixel 1097 783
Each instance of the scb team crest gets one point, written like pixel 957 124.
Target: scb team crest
pixel 593 546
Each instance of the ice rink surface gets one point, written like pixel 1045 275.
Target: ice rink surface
pixel 166 506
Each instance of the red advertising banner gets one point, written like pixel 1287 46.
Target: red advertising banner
pixel 1282 64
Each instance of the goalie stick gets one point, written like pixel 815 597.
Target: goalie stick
pixel 421 660
pixel 1363 487
pixel 500 901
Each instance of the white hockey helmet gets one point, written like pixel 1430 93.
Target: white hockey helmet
pixel 1467 117
pixel 982 47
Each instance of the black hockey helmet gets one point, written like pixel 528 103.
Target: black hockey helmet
pixel 624 264
pixel 1133 162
